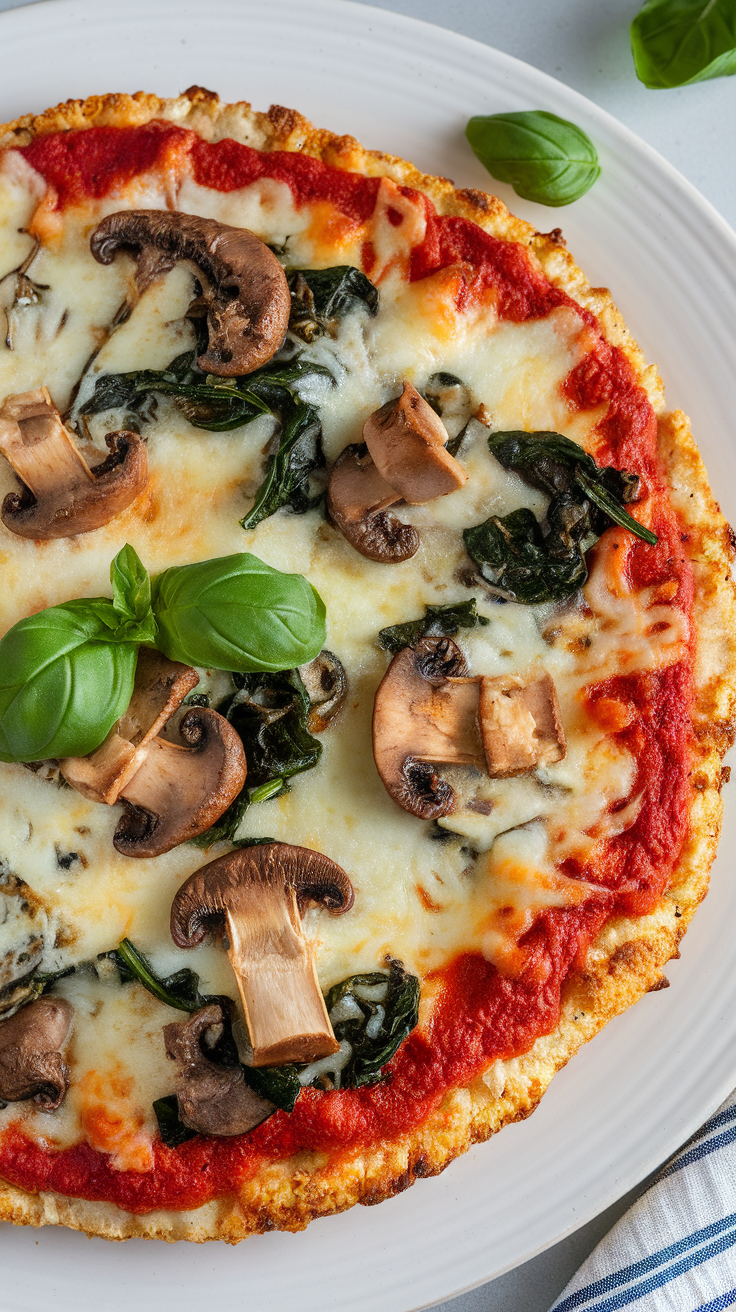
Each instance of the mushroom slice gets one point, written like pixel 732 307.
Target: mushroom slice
pixel 258 894
pixel 521 724
pixel 428 710
pixel 407 442
pixel 62 496
pixel 31 1063
pixel 357 501
pixel 179 790
pixel 160 687
pixel 326 685
pixel 425 710
pixel 212 1099
pixel 246 294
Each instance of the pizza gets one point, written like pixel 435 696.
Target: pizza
pixel 367 672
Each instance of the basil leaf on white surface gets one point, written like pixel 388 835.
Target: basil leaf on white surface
pixel 678 42
pixel 545 158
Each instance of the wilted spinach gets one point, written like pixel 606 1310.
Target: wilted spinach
pixel 374 1013
pixel 437 621
pixel 531 563
pixel 319 297
pixel 173 1131
pixel 290 468
pixel 180 990
pixel 270 712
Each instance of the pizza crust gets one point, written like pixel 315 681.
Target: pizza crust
pixel 628 957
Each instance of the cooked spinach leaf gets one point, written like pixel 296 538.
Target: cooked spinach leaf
pixel 278 1084
pixel 271 713
pixel 180 990
pixel 216 404
pixel 374 1013
pixel 173 1131
pixel 440 621
pixel 290 468
pixel 532 563
pixel 319 297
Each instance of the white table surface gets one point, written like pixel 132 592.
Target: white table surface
pixel 585 44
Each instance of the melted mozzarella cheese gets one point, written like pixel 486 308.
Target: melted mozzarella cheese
pixel 418 899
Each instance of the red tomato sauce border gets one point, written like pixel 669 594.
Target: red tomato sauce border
pixel 479 1015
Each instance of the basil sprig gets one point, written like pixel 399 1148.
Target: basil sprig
pixel 545 158
pixel 678 42
pixel 67 673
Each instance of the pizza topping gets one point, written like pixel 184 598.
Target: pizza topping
pixel 179 790
pixel 529 562
pixel 326 684
pixel 246 296
pixel 21 942
pixel 357 503
pixel 31 1064
pixel 320 297
pixel 212 1098
pixel 437 621
pixel 258 892
pixel 407 443
pixel 160 687
pixel 62 496
pixel 427 710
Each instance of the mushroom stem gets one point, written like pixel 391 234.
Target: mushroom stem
pixel 160 687
pixel 62 496
pixel 277 980
pixel 257 895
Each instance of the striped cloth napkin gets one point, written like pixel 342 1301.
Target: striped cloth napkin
pixel 675 1249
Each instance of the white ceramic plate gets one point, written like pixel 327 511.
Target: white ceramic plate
pixel 642 1086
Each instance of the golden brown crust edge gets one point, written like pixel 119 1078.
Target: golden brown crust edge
pixel 628 958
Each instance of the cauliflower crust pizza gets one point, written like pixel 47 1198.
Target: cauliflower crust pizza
pixel 367 670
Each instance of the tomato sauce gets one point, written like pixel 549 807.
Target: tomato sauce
pixel 480 1015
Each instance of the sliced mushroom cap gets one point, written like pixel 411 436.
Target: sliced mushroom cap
pixel 246 293
pixel 326 685
pixel 178 791
pixel 212 1099
pixel 257 893
pixel 62 496
pixel 160 687
pixel 31 1064
pixel 407 442
pixel 357 501
pixel 427 709
pixel 418 718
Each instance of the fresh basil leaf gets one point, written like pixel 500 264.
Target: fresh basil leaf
pixel 173 1131
pixel 63 681
pixel 290 468
pixel 320 297
pixel 180 990
pixel 374 1013
pixel 277 1084
pixel 545 158
pixel 678 42
pixel 439 621
pixel 131 596
pixel 237 613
